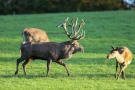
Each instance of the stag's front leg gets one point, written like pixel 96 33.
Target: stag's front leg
pixel 63 64
pixel 25 64
pixel 116 69
pixel 48 66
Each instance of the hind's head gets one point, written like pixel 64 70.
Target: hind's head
pixel 115 52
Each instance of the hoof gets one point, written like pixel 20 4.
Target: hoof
pixel 16 73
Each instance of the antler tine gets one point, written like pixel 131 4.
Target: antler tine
pixel 76 22
pixel 72 21
pixel 82 23
pixel 81 36
pixel 66 19
pixel 74 31
pixel 80 26
pixel 64 25
pixel 61 24
pixel 73 25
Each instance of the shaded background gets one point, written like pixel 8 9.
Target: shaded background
pixel 56 6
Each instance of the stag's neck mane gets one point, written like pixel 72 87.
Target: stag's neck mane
pixel 66 49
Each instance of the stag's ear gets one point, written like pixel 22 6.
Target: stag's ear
pixel 120 50
pixel 112 47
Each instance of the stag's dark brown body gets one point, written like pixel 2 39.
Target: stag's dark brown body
pixel 49 51
pixel 52 51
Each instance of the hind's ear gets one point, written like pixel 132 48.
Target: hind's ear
pixel 112 47
pixel 120 50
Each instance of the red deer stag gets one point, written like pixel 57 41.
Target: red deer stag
pixel 123 57
pixel 52 51
pixel 34 35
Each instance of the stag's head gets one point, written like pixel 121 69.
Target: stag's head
pixel 75 34
pixel 115 52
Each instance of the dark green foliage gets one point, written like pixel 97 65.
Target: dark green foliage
pixel 49 6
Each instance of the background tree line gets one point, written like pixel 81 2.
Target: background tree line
pixel 54 6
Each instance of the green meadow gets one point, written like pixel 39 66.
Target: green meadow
pixel 90 70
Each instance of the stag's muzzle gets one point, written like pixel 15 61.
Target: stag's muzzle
pixel 82 49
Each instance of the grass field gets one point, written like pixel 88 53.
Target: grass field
pixel 89 70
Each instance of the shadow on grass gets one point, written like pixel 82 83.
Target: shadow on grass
pixel 22 76
pixel 65 76
pixel 8 59
pixel 103 76
pixel 96 75
pixel 90 76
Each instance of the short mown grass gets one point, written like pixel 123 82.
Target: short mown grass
pixel 89 70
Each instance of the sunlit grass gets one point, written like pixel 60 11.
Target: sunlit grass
pixel 90 70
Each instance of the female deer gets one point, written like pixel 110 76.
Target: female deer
pixel 34 35
pixel 123 57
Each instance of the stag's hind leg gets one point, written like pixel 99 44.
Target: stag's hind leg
pixel 25 64
pixel 63 64
pixel 17 64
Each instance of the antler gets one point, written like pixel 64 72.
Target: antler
pixel 74 31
